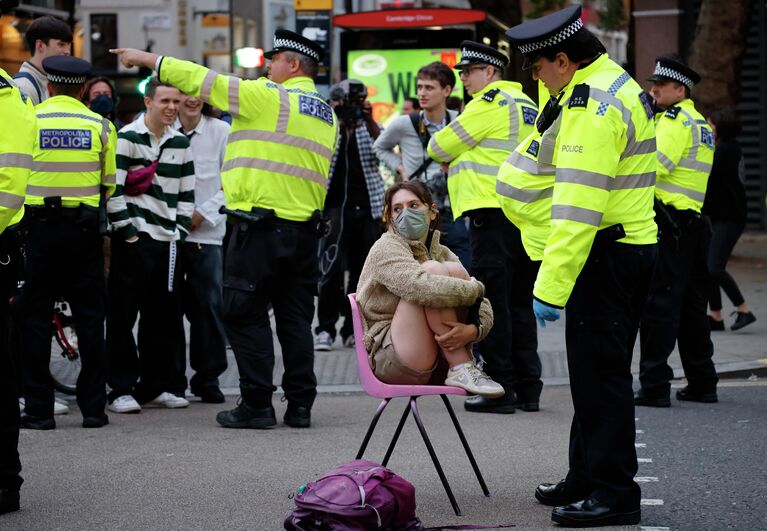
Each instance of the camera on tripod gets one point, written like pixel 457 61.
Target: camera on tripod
pixel 351 94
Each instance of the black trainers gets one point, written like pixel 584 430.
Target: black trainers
pixel 743 319
pixel 715 325
pixel 641 398
pixel 298 416
pixel 95 422
pixel 244 416
pixel 687 395
pixel 9 500
pixel 37 423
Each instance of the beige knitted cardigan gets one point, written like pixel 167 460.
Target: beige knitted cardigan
pixel 393 271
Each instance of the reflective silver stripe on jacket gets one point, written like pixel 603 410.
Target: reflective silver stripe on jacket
pixel 435 147
pixel 574 213
pixel 105 123
pixel 12 201
pixel 281 138
pixel 696 165
pixel 676 189
pixel 633 146
pixel 69 115
pixel 207 85
pixel 666 162
pixel 476 167
pixel 16 160
pixel 63 191
pixel 463 135
pixel 277 167
pixel 519 161
pixel 110 178
pixel 637 180
pixel 284 112
pixel 523 196
pixel 233 91
pixel 66 167
pixel 513 120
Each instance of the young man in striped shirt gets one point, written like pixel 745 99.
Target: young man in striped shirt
pixel 147 222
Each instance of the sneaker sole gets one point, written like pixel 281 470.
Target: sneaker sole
pixel 323 348
pixel 124 411
pixel 494 394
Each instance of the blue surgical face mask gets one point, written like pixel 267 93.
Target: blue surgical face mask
pixel 102 104
pixel 412 224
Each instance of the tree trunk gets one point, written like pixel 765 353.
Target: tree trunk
pixel 716 52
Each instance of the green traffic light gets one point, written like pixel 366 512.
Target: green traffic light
pixel 141 87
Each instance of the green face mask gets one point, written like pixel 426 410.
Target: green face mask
pixel 412 224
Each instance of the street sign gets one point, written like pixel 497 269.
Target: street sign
pixel 409 18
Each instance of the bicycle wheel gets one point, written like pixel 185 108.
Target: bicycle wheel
pixel 65 358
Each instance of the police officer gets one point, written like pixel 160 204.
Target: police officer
pixel 676 307
pixel 581 190
pixel 74 166
pixel 274 177
pixel 475 144
pixel 15 164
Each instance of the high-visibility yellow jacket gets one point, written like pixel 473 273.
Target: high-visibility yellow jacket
pixel 17 134
pixel 74 154
pixel 281 143
pixel 479 140
pixel 594 167
pixel 685 156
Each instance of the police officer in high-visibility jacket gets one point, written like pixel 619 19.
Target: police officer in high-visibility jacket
pixel 74 166
pixel 475 144
pixel 15 164
pixel 581 189
pixel 676 307
pixel 274 175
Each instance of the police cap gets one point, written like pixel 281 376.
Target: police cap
pixel 536 36
pixel 670 67
pixel 288 41
pixel 474 53
pixel 66 69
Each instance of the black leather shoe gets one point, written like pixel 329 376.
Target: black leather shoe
pixel 691 396
pixel 243 416
pixel 715 325
pixel 210 395
pixel 95 422
pixel 526 404
pixel 298 416
pixel 481 404
pixel 643 399
pixel 9 500
pixel 556 494
pixel 743 319
pixel 37 423
pixel 592 513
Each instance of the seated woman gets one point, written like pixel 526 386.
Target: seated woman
pixel 418 302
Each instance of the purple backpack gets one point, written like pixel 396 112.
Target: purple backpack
pixel 356 496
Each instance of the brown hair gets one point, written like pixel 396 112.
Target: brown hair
pixel 417 188
pixel 438 71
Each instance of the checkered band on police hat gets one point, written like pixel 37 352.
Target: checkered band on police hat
pixel 670 73
pixel 66 80
pixel 289 44
pixel 468 53
pixel 558 37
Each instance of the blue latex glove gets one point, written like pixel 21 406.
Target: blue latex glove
pixel 543 312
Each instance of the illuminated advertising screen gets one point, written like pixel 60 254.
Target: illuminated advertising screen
pixel 390 75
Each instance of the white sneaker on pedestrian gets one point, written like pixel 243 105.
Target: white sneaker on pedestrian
pixel 471 378
pixel 168 400
pixel 323 342
pixel 124 404
pixel 59 406
pixel 349 342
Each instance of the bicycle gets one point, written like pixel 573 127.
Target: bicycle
pixel 65 362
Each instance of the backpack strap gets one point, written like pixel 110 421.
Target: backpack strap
pixel 416 119
pixel 29 77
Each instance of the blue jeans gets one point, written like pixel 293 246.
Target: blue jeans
pixel 201 279
pixel 455 236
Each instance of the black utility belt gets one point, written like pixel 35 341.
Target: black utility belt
pixel 265 218
pixel 59 212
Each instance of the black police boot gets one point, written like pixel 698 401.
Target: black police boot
pixel 244 416
pixel 481 404
pixel 593 513
pixel 298 416
pixel 98 421
pixel 210 395
pixel 527 403
pixel 9 500
pixel 557 494
pixel 37 423
pixel 690 395
pixel 642 398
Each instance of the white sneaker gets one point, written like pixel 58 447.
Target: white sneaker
pixel 59 406
pixel 168 400
pixel 469 377
pixel 124 404
pixel 323 342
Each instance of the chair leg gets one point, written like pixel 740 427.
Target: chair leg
pixel 366 440
pixel 396 434
pixel 430 448
pixel 465 445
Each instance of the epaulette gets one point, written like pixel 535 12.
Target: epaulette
pixel 490 95
pixel 580 96
pixel 4 83
pixel 672 112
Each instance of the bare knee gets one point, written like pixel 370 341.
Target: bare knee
pixel 456 270
pixel 435 268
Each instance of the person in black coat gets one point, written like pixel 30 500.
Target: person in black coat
pixel 725 206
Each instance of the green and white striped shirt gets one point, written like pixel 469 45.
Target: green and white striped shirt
pixel 165 210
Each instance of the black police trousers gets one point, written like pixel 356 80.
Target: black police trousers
pixel 603 314
pixel 676 311
pixel 10 465
pixel 64 257
pixel 272 264
pixel 500 262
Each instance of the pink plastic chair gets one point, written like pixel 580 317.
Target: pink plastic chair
pixel 375 387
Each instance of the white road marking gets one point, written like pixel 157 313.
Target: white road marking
pixel 640 445
pixel 646 479
pixel 646 528
pixel 639 432
pixel 644 460
pixel 650 502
